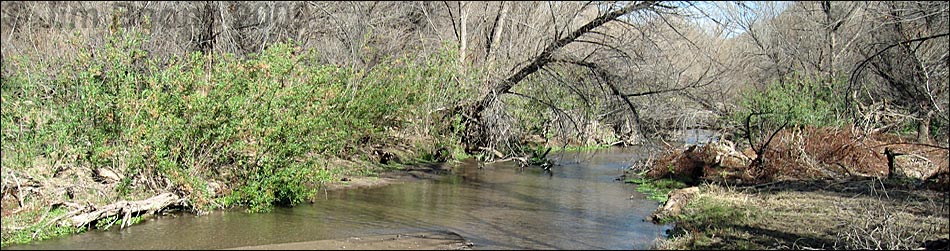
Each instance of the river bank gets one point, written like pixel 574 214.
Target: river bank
pixel 39 205
pixel 811 189
pixel 41 202
pixel 493 205
pixel 856 214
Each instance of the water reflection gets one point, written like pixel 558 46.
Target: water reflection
pixel 578 206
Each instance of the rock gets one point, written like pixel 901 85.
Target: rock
pixel 722 163
pixel 106 175
pixel 724 154
pixel 214 187
pixel 674 205
pixel 913 166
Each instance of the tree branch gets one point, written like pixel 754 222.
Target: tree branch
pixel 545 57
pixel 860 67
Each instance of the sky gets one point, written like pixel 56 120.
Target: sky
pixel 715 16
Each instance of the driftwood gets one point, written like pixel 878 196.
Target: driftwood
pixel 522 161
pixel 126 209
pixel 493 151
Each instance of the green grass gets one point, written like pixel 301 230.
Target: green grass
pixel 42 230
pixel 709 212
pixel 657 189
pixel 849 217
pixel 708 222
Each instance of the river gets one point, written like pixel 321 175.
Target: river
pixel 579 205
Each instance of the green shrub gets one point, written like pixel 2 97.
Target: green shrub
pixel 261 123
pixel 801 100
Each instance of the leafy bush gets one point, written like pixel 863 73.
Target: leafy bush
pixel 264 124
pixel 801 100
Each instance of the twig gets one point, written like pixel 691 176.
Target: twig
pixel 19 190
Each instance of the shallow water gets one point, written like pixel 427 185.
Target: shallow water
pixel 579 205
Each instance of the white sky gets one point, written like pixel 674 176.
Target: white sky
pixel 716 16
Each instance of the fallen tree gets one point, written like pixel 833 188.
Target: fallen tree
pixel 89 215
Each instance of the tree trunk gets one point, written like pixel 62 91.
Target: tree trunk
pixel 923 129
pixel 495 35
pixel 476 134
pixel 126 209
pixel 463 33
pixel 205 39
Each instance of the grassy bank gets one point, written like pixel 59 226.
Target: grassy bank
pixel 808 180
pixel 656 189
pixel 811 195
pixel 271 129
pixel 860 214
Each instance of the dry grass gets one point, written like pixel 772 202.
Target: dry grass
pixel 859 214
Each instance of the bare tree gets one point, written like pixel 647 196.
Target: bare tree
pixel 477 134
pixel 910 60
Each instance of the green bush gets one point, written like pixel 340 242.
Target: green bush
pixel 265 124
pixel 801 100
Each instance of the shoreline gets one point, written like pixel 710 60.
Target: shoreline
pixel 854 214
pixel 53 217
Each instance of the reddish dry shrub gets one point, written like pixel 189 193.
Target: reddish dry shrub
pixel 676 164
pixel 815 153
pixel 804 154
